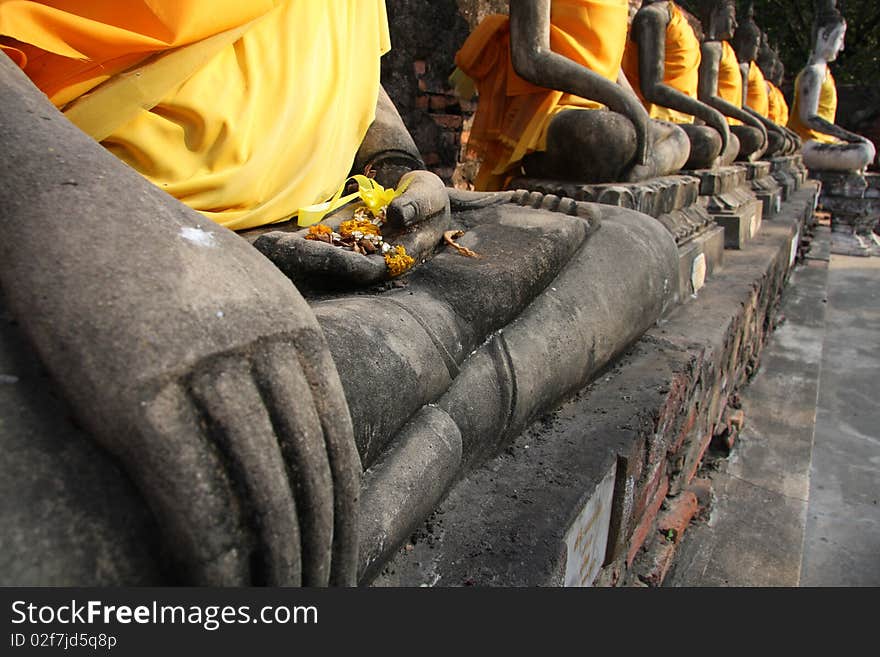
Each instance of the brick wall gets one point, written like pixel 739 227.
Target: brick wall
pixel 425 35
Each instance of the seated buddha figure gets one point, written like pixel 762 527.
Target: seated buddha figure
pixel 249 418
pixel 553 101
pixel 662 62
pixel 756 96
pixel 827 146
pixel 721 81
pixel 774 72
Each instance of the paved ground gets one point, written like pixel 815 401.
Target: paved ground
pixel 797 501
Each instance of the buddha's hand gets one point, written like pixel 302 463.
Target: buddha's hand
pixel 636 113
pixel 424 197
pixel 415 220
pixel 715 119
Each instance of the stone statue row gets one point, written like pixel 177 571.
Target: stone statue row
pixel 703 86
pixel 283 427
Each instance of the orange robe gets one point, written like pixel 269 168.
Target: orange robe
pixel 778 106
pixel 757 96
pixel 513 115
pixel 264 118
pixel 827 110
pixel 681 67
pixel 730 82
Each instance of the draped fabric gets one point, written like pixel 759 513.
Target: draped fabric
pixel 757 96
pixel 827 110
pixel 730 82
pixel 778 106
pixel 681 69
pixel 512 114
pixel 270 123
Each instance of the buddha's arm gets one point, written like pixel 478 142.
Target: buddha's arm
pixel 536 62
pixel 707 90
pixel 649 32
pixel 170 335
pixel 387 149
pixel 809 89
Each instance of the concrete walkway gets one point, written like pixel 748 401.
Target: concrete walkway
pixel 797 501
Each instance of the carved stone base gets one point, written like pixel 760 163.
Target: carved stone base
pixel 852 199
pixel 789 172
pixel 765 186
pixel 731 203
pixel 674 201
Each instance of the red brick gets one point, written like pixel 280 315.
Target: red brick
pixel 452 121
pixel 695 465
pixel 643 530
pixel 643 496
pixel 437 102
pixel 422 102
pixel 674 521
pixel 423 85
pixel 685 431
pixel 419 67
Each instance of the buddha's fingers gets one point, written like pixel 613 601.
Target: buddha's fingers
pixel 300 434
pixel 305 260
pixel 424 197
pixel 242 429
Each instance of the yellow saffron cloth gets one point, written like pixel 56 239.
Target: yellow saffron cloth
pixel 681 66
pixel 730 82
pixel 827 110
pixel 269 124
pixel 757 96
pixel 512 114
pixel 778 105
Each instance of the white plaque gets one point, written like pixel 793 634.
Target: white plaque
pixel 698 273
pixel 587 539
pixel 795 242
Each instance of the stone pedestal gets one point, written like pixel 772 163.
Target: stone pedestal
pixel 674 201
pixel 853 200
pixel 789 172
pixel 731 202
pixel 765 187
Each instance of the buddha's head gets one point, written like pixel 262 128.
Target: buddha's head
pixel 718 18
pixel 747 38
pixel 829 31
pixel 766 59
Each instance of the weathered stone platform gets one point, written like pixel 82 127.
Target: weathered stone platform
pixel 789 171
pixel 601 491
pixel 765 187
pixel 852 199
pixel 674 201
pixel 731 202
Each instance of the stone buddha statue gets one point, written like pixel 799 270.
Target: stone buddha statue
pixel 277 436
pixel 756 96
pixel 774 72
pixel 827 146
pixel 721 81
pixel 553 102
pixel 662 61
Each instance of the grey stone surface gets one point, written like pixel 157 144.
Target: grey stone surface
pixel 69 514
pixel 505 522
pixel 843 518
pixel 756 529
